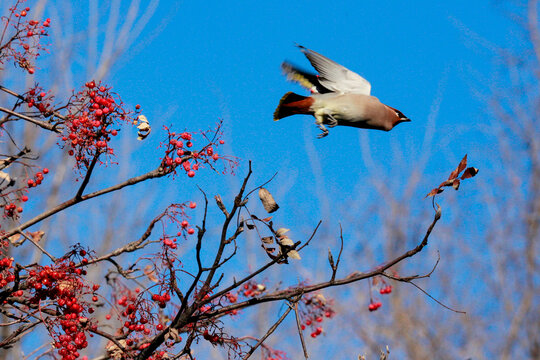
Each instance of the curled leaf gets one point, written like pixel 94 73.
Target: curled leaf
pixel 268 239
pixel 293 254
pixel 144 127
pixel 281 232
pixel 462 165
pixel 285 241
pixel 267 200
pixel 469 173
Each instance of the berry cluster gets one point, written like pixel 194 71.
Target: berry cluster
pixel 62 284
pixel 6 266
pixel 13 199
pixel 313 310
pixel 94 117
pixel 178 153
pixel 37 98
pixel 20 40
pixel 252 289
pixel 374 305
pixel 176 213
pixel 383 290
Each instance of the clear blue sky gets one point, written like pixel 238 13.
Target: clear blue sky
pixel 217 59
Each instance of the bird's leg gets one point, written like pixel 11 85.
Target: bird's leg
pixel 332 122
pixel 320 116
pixel 324 130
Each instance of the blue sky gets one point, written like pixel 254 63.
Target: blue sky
pixel 220 60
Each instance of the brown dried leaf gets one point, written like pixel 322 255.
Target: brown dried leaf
pixel 268 201
pixel 173 334
pixel 15 239
pixel 434 192
pixel 150 272
pixel 267 219
pixel 462 165
pixel 36 235
pixel 268 240
pixel 114 351
pixel 469 173
pixel 455 184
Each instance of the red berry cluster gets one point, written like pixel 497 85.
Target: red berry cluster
pixel 212 338
pixel 161 300
pixel 62 283
pixel 177 212
pixel 6 266
pixel 178 152
pixel 37 98
pixel 93 112
pixel 313 310
pixel 374 305
pixel 22 41
pixel 14 199
pixel 387 289
pixel 252 289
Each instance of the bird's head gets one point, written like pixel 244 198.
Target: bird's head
pixel 400 117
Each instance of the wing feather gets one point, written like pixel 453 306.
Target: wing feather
pixel 336 77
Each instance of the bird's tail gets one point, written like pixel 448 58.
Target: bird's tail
pixel 291 104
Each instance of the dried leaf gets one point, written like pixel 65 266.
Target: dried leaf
pixel 469 173
pixel 150 272
pixel 261 287
pixel 267 219
pixel 173 334
pixel 36 235
pixel 15 239
pixel 144 127
pixel 434 192
pixel 5 176
pixel 268 201
pixel 281 232
pixel 114 351
pixel 285 241
pixel 268 239
pixel 250 226
pixel 455 184
pixel 293 254
pixel 462 165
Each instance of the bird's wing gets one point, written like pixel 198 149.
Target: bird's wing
pixel 336 77
pixel 306 79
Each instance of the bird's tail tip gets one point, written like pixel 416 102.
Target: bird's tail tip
pixel 290 104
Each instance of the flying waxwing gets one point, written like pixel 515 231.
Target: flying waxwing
pixel 339 97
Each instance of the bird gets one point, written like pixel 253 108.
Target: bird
pixel 339 96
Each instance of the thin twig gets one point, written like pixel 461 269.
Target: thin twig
pixel 268 333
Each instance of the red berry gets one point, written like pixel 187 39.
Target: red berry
pixel 159 327
pixel 222 142
pixel 184 223
pixel 137 106
pixel 191 231
pixel 191 173
pixel 192 204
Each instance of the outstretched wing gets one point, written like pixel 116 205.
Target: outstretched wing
pixel 306 79
pixel 335 77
